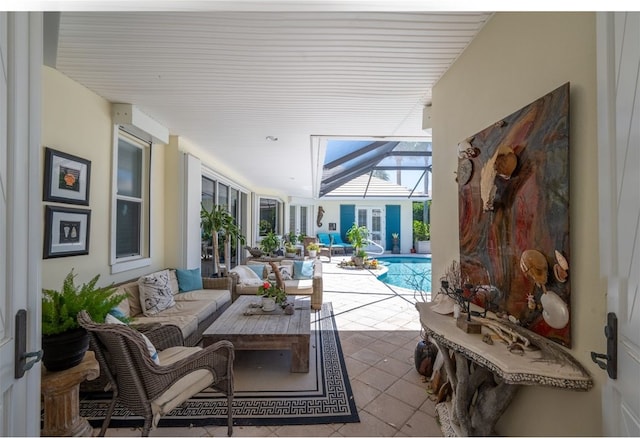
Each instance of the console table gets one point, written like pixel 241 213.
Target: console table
pixel 484 378
pixel 61 395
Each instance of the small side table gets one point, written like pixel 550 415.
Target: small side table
pixel 61 394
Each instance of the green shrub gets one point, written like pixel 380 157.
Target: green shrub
pixel 421 230
pixel 60 308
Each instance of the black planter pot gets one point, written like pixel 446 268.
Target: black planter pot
pixel 64 350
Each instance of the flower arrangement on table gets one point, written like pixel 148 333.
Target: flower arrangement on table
pixel 270 290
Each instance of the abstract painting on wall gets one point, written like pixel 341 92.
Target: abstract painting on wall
pixel 513 180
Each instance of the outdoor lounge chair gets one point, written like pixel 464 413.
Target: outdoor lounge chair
pixel 337 241
pixel 152 390
pixel 325 240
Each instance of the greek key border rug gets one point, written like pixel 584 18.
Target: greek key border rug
pixel 266 393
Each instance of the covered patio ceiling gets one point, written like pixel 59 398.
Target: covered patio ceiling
pixel 246 85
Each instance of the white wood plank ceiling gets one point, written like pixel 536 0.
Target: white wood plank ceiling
pixel 224 81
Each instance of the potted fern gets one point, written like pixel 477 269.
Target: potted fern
pixel 64 342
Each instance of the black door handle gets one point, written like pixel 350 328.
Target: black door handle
pixel 609 361
pixel 21 356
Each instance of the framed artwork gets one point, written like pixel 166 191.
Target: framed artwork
pixel 66 231
pixel 66 178
pixel 332 226
pixel 513 180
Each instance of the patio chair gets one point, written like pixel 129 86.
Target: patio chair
pixel 337 241
pixel 152 390
pixel 325 241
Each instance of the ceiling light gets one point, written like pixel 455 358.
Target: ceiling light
pixel 271 138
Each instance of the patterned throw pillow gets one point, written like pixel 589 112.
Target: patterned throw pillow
pixel 155 293
pixel 285 271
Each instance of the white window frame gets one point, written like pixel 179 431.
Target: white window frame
pixel 121 264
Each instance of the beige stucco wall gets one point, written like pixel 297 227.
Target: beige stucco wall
pixel 517 58
pixel 77 121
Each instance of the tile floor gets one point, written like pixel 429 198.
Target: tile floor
pixel 379 329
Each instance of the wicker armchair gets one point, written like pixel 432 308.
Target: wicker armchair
pixel 151 390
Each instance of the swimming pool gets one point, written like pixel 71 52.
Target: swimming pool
pixel 412 273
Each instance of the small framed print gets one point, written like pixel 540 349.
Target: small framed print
pixel 332 226
pixel 66 232
pixel 66 178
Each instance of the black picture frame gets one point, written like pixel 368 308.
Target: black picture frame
pixel 66 178
pixel 66 231
pixel 332 226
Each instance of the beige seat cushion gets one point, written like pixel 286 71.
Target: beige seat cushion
pixel 188 323
pixel 183 388
pixel 304 286
pixel 200 309
pixel 220 296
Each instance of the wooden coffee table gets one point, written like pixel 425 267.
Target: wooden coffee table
pixel 265 330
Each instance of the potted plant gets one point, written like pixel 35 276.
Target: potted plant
pixel 271 295
pixel 359 257
pixel 313 249
pixel 422 236
pixel 64 342
pixel 270 243
pixel 290 249
pixel 219 220
pixel 396 243
pixel 357 236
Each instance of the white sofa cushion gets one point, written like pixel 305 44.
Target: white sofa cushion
pixel 247 276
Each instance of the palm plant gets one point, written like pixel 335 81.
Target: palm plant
pixel 357 235
pixel 219 220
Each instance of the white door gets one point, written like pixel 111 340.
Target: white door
pixel 618 38
pixel 20 215
pixel 373 219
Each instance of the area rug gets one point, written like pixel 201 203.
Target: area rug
pixel 266 393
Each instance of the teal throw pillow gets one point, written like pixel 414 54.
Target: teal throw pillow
pixel 303 269
pixel 258 269
pixel 117 313
pixel 189 279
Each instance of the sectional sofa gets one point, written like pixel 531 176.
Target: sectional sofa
pixel 300 278
pixel 193 310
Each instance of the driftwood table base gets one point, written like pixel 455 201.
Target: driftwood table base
pixel 485 377
pixel 480 398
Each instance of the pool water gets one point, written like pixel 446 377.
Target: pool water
pixel 412 273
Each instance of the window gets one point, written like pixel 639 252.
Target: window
pixel 269 216
pixel 131 212
pixel 234 199
pixel 303 220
